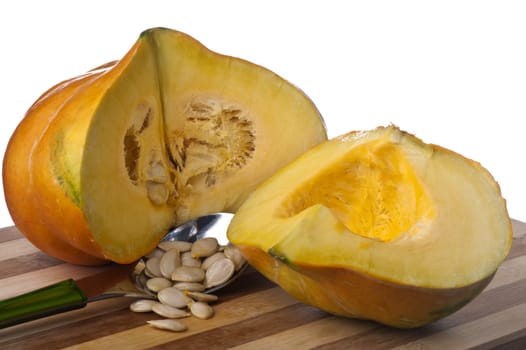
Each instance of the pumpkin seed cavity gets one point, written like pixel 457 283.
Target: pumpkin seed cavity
pixel 210 139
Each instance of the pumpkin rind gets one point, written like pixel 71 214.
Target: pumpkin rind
pixel 21 186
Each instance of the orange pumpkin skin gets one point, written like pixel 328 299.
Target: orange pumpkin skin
pixel 37 200
pixel 23 190
pixel 363 294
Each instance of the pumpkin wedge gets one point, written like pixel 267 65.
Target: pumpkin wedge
pixel 103 165
pixel 377 225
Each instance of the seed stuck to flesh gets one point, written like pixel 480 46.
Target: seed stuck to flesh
pixel 168 324
pixel 157 193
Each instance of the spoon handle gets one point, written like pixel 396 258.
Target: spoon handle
pixel 53 299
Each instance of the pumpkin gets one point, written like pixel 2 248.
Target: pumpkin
pixel 377 225
pixel 103 164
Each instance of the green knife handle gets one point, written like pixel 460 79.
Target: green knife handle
pixel 54 299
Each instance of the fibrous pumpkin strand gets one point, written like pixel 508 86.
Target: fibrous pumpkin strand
pixel 374 193
pixel 203 144
pixel 216 136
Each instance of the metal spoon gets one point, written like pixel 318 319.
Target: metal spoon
pixel 112 281
pixel 213 225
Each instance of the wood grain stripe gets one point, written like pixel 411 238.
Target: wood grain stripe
pixel 241 309
pixel 502 299
pixel 518 228
pixel 26 264
pixel 515 342
pixel 9 233
pixel 518 247
pixel 265 325
pixel 492 301
pixel 14 285
pixel 17 247
pixel 375 338
pixel 491 330
pixel 509 271
pixel 310 335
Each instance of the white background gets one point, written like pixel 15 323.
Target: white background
pixel 451 72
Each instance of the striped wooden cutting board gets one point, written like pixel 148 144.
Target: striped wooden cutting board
pixel 254 313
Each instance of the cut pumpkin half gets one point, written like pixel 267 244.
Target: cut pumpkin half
pixel 379 225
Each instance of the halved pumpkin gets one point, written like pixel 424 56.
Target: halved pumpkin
pixel 377 225
pixel 104 164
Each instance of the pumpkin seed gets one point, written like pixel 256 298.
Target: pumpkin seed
pixel 173 297
pixel 204 247
pixel 212 259
pixel 234 254
pixel 155 252
pixel 182 246
pixel 188 260
pixel 168 324
pixel 194 267
pixel 219 272
pixel 157 192
pixel 201 310
pixel 198 296
pixel 142 305
pixel 157 283
pixel 169 262
pixel 169 311
pixel 152 268
pixel 188 274
pixel 190 286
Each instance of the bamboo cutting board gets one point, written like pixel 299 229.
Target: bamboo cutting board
pixel 253 313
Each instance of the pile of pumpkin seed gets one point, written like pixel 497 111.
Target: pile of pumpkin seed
pixel 180 275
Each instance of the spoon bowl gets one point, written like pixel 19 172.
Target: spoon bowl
pixel 212 225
